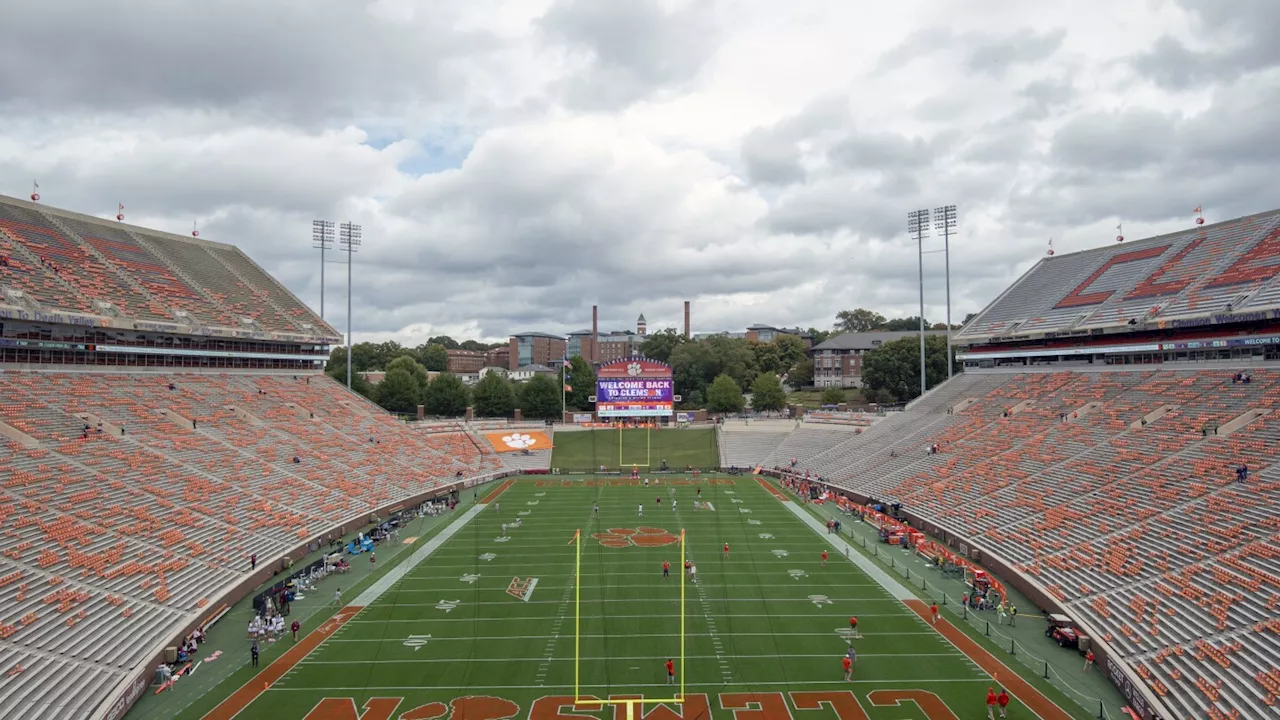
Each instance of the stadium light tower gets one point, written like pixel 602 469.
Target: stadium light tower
pixel 322 238
pixel 918 225
pixel 349 240
pixel 944 221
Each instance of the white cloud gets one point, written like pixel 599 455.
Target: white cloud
pixel 514 162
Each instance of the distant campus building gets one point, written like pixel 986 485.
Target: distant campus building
pixel 837 361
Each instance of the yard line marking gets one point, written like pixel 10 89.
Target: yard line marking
pixel 709 683
pixel 719 656
pixel 471 638
pixel 543 618
pixel 664 599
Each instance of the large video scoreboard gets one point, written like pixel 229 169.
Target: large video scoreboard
pixel 634 387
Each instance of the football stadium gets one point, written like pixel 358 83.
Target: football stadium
pixel 200 523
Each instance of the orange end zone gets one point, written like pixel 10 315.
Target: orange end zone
pixel 773 490
pixel 250 691
pixel 1042 706
pixel 496 492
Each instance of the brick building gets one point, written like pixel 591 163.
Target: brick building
pixel 464 362
pixel 837 362
pixel 535 348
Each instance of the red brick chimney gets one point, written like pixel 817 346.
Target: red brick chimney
pixel 595 334
pixel 686 319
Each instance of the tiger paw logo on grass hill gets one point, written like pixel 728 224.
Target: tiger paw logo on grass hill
pixel 519 441
pixel 637 537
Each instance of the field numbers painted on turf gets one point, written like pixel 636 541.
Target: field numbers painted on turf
pixel 469 578
pixel 780 553
pixel 744 510
pixel 728 492
pixel 417 641
pixel 525 512
pixel 532 502
pixel 819 600
pixel 504 538
pixel 797 574
pixel 753 521
pixel 539 494
pixel 448 605
pixel 736 501
pixel 766 536
pixel 488 557
pixel 845 633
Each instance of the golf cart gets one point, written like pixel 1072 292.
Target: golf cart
pixel 1062 630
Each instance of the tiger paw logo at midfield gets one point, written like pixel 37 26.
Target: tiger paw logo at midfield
pixel 519 441
pixel 638 537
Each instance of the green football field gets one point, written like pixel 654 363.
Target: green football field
pixel 587 450
pixel 479 623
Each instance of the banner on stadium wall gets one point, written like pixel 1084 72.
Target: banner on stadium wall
pixel 634 387
pixel 581 418
pixel 518 440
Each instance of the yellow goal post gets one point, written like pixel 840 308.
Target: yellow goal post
pixel 629 703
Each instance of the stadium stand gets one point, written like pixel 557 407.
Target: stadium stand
pixel 163 418
pixel 1096 463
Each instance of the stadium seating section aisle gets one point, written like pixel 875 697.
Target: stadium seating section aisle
pixel 60 261
pixel 1209 269
pixel 1113 491
pixel 112 543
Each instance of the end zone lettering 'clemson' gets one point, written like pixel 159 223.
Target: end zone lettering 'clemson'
pixel 638 537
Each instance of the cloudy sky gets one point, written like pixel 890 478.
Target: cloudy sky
pixel 515 161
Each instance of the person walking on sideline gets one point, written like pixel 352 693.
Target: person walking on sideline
pixel 1001 613
pixel 991 703
pixel 253 651
pixel 671 671
pixel 824 558
pixel 337 596
pixel 848 668
pixel 1088 661
pixel 1013 615
pixel 1003 701
pixel 295 627
pixel 933 610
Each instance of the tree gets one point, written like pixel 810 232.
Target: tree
pixel 494 396
pixel 660 345
pixel 693 401
pixel 413 368
pixel 818 335
pixel 791 352
pixel 336 368
pixel 540 398
pixel 583 381
pixel 434 357
pixel 767 393
pixel 859 320
pixel 833 396
pixel 906 324
pixel 801 375
pixel 398 392
pixel 725 395
pixel 446 396
pixel 474 345
pixel 892 371
pixel 766 356
pixel 968 317
pixel 444 341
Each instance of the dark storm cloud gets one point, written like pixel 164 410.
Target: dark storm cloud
pixel 630 49
pixel 770 159
pixel 1243 36
pixel 302 61
pixel 1122 140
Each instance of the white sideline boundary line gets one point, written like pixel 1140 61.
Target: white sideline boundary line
pixel 889 583
pixel 707 683
pixel 393 576
pixel 655 658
